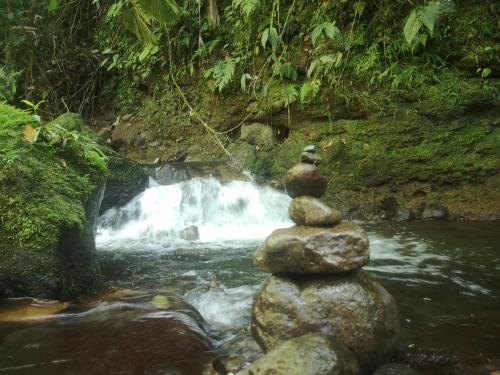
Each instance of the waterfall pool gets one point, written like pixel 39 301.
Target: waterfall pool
pixel 445 277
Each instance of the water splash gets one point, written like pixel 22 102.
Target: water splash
pixel 237 211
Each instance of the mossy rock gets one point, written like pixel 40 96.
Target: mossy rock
pixel 126 180
pixel 51 186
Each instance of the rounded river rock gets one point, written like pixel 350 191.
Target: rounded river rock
pixel 302 249
pixel 352 308
pixel 305 210
pixel 305 179
pixel 310 354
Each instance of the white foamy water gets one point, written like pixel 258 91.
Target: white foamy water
pixel 237 211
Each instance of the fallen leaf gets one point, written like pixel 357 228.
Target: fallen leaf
pixel 30 133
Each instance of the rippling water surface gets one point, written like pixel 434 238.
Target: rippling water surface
pixel 444 276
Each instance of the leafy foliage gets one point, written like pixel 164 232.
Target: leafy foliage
pixel 427 16
pixel 222 73
pixel 246 7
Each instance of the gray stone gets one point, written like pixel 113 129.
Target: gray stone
pixel 257 134
pixel 310 354
pixel 434 212
pixel 301 249
pixel 305 179
pixel 352 308
pixel 404 214
pixel 305 210
pixel 310 148
pixel 395 369
pixel 310 158
pixel 244 155
pixel 190 233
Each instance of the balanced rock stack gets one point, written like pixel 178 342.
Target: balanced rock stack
pixel 318 287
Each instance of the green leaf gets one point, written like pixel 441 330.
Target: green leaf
pixel 290 95
pixel 430 14
pixel 247 7
pixel 359 7
pixel 243 81
pixel 145 52
pixel 316 33
pixel 164 11
pixel 274 38
pixel 412 26
pixel 309 90
pixel 331 30
pixel 288 70
pixel 265 37
pixel 52 6
pixel 311 67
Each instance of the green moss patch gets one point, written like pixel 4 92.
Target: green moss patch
pixel 43 184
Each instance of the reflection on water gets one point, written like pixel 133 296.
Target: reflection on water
pixel 446 281
pixel 444 276
pixel 123 335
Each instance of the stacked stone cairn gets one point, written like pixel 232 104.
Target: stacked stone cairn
pixel 318 296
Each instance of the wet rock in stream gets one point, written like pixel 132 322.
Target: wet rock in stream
pixel 310 354
pixel 137 334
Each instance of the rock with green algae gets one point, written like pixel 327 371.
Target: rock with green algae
pixel 52 180
pixel 314 250
pixel 305 210
pixel 352 308
pixel 310 354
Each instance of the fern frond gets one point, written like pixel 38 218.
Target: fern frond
pixel 164 11
pixel 246 7
pixel 223 73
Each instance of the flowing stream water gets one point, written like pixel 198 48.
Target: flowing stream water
pixel 444 276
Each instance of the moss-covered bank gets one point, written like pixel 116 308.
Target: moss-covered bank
pixel 435 157
pixel 52 180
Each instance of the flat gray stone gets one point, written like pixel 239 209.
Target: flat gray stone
pixel 307 250
pixel 310 211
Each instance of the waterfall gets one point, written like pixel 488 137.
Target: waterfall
pixel 201 207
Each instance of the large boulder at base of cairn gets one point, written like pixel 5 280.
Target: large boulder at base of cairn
pixel 351 307
pixel 305 210
pixel 311 354
pixel 302 249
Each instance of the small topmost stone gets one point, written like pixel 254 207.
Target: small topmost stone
pixel 310 148
pixel 310 158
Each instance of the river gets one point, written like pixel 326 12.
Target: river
pixel 445 277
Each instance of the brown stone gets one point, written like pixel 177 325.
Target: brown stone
pixel 352 308
pixel 305 179
pixel 306 210
pixel 301 249
pixel 310 354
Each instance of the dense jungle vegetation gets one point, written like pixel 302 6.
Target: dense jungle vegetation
pixel 72 54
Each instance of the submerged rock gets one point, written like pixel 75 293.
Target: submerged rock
pixel 301 249
pixel 305 210
pixel 190 233
pixel 310 354
pixel 128 335
pixel 305 179
pixel 352 308
pixel 395 369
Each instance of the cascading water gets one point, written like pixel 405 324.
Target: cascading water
pixel 237 211
pixel 213 272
